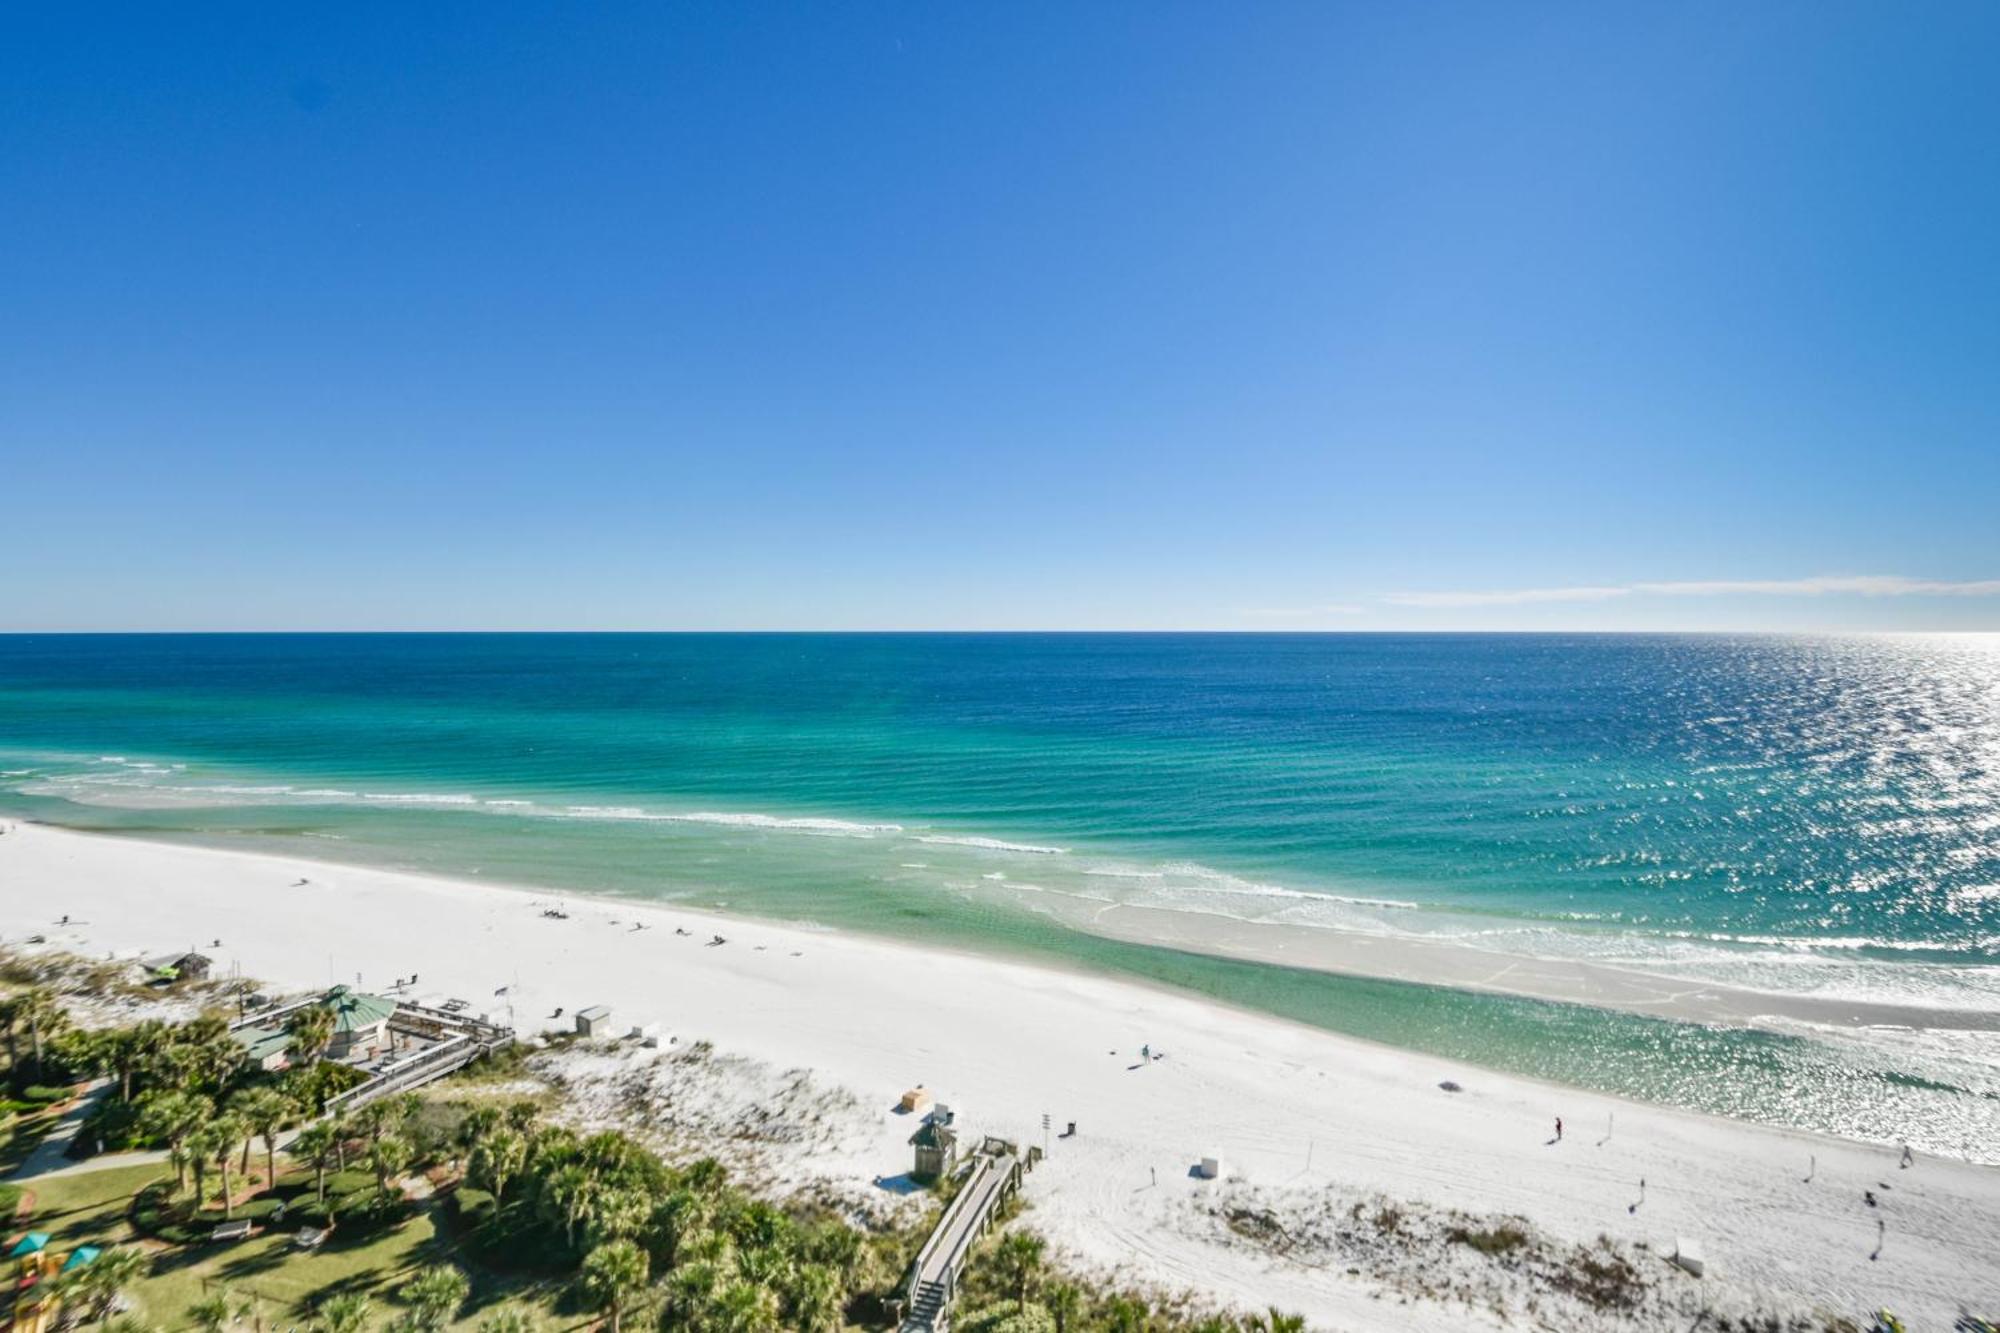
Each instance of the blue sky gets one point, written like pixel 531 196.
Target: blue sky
pixel 1067 316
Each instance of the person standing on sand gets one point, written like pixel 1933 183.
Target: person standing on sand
pixel 1559 1129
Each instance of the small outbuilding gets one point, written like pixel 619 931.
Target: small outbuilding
pixel 937 1149
pixel 173 967
pixel 268 1049
pixel 594 1021
pixel 360 1023
pixel 916 1099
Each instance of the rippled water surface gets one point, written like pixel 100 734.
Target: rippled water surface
pixel 1816 815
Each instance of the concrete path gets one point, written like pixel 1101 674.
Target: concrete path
pixel 51 1154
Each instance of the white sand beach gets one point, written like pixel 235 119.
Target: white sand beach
pixel 1306 1123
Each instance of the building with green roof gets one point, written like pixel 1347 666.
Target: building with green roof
pixel 360 1023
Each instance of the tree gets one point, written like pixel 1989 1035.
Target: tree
pixel 434 1296
pixel 507 1319
pixel 569 1190
pixel 311 1030
pixel 1020 1258
pixel 99 1284
pixel 497 1159
pixel 221 1137
pixel 345 1313
pixel 690 1292
pixel 613 1277
pixel 267 1111
pixel 390 1156
pixel 317 1145
pixel 816 1293
pixel 38 1010
pixel 174 1116
pixel 744 1307
pixel 213 1314
pixel 130 1050
pixel 1065 1303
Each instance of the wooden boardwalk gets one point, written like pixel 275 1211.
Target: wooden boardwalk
pixel 932 1282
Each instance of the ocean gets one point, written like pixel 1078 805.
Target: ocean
pixel 1794 816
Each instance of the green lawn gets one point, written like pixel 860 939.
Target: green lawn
pixel 90 1208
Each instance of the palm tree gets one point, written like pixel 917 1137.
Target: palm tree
pixel 267 1111
pixel 10 1026
pixel 613 1277
pixel 390 1155
pixel 311 1030
pixel 345 1313
pixel 38 1010
pixel 497 1159
pixel 744 1307
pixel 1020 1258
pixel 316 1144
pixel 131 1049
pixel 507 1319
pixel 569 1190
pixel 223 1136
pixel 816 1299
pixel 1122 1314
pixel 214 1314
pixel 1065 1303
pixel 434 1295
pixel 690 1292
pixel 1277 1321
pixel 174 1116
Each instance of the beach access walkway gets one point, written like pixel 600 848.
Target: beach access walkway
pixel 932 1282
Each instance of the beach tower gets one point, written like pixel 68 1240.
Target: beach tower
pixel 594 1021
pixel 360 1024
pixel 936 1143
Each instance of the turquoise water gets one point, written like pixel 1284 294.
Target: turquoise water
pixel 1817 815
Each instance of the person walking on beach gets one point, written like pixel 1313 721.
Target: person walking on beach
pixel 1559 1129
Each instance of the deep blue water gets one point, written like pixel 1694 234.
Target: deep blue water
pixel 1817 814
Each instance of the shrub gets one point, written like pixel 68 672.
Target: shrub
pixel 1500 1240
pixel 40 1094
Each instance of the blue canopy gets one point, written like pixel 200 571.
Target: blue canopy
pixel 80 1256
pixel 31 1243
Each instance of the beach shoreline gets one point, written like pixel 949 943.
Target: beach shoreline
pixel 1286 1106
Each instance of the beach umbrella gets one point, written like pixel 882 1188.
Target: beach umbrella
pixel 31 1243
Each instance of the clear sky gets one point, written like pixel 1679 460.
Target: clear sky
pixel 1255 316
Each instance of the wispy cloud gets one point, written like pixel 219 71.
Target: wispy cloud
pixel 1829 585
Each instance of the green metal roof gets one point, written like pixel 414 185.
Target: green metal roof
pixel 353 1011
pixel 260 1044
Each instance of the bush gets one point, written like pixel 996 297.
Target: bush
pixel 1006 1317
pixel 40 1094
pixel 10 1202
pixel 1500 1240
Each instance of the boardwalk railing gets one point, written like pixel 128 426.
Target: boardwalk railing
pixel 459 1040
pixel 932 1282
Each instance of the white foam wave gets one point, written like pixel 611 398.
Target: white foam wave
pixel 990 844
